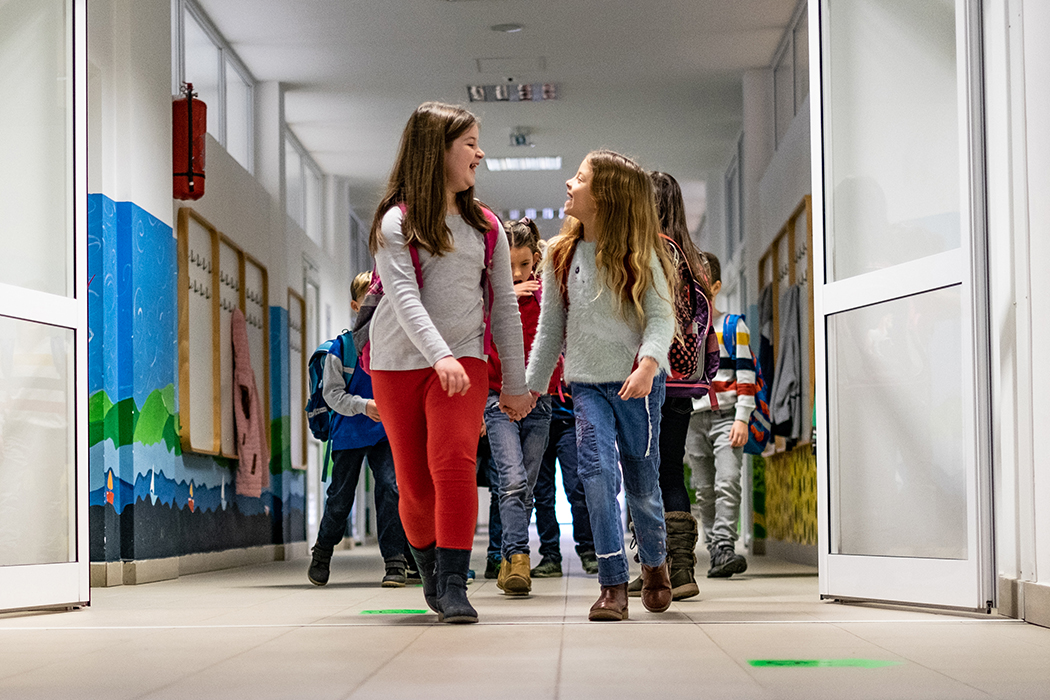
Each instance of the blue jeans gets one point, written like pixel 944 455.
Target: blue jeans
pixel 517 449
pixel 561 448
pixel 611 432
pixel 346 470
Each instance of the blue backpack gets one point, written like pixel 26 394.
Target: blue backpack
pixel 758 428
pixel 318 413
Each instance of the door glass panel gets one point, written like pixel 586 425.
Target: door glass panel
pixel 892 123
pixel 895 405
pixel 37 431
pixel 36 181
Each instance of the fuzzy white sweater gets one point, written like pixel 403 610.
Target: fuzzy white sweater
pixel 600 345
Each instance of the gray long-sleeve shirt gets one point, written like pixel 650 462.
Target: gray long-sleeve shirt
pixel 413 328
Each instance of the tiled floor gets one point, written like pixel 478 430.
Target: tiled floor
pixel 265 632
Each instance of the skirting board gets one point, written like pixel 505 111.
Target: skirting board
pixel 1025 600
pixel 130 573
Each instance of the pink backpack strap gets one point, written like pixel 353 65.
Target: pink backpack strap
pixel 491 236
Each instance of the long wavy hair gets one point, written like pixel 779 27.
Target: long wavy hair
pixel 671 208
pixel 418 180
pixel 627 235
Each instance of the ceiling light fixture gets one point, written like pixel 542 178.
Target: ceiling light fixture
pixel 511 164
pixel 508 28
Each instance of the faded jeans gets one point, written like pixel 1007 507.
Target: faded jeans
pixel 517 449
pixel 612 432
pixel 716 474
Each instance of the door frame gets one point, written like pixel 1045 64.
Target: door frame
pixel 67 584
pixel 965 584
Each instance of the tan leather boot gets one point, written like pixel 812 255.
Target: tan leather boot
pixel 514 577
pixel 611 604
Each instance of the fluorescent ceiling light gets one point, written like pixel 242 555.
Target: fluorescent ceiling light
pixel 537 163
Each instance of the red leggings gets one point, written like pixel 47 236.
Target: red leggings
pixel 434 438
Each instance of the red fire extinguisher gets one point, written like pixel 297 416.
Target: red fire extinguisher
pixel 189 119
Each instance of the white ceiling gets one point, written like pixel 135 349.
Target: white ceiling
pixel 659 80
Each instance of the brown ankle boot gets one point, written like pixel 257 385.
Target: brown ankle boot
pixel 611 604
pixel 656 588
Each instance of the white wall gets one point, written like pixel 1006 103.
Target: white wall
pixel 1017 113
pixel 129 154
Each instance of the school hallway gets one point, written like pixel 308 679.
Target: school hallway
pixel 265 632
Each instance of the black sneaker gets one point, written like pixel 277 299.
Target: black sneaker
pixel 320 566
pixel 492 567
pixel 725 562
pixel 547 568
pixel 412 576
pixel 589 560
pixel 395 575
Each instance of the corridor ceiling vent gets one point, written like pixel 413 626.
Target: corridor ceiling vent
pixel 519 92
pixel 521 164
pixel 508 28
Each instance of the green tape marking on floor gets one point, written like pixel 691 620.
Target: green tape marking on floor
pixel 394 611
pixel 822 663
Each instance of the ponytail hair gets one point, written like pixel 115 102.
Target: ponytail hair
pixel 524 234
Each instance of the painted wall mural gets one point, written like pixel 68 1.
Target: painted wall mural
pixel 148 498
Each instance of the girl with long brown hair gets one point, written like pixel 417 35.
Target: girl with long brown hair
pixel 608 300
pixel 427 349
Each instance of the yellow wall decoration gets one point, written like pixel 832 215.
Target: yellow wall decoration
pixel 791 496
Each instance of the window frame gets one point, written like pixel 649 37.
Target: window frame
pixel 226 56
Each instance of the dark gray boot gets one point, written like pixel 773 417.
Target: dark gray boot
pixel 681 551
pixel 426 564
pixel 452 567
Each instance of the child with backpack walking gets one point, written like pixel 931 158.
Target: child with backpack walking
pixel 517 446
pixel 355 434
pixel 716 438
pixel 427 341
pixel 694 363
pixel 608 300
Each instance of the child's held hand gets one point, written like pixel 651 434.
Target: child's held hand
pixel 640 383
pixel 372 410
pixel 526 287
pixel 453 377
pixel 517 406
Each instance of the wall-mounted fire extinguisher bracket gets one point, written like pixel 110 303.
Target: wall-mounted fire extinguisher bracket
pixel 189 119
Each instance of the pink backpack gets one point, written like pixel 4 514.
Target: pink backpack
pixel 375 292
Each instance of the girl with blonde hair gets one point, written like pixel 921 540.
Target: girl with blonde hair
pixel 608 279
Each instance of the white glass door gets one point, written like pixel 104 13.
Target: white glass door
pixel 903 478
pixel 43 306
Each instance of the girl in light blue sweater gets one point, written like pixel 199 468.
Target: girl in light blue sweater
pixel 608 300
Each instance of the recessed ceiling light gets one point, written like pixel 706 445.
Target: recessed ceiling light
pixel 539 163
pixel 508 28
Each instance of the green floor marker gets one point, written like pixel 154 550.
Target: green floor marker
pixel 394 611
pixel 821 663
